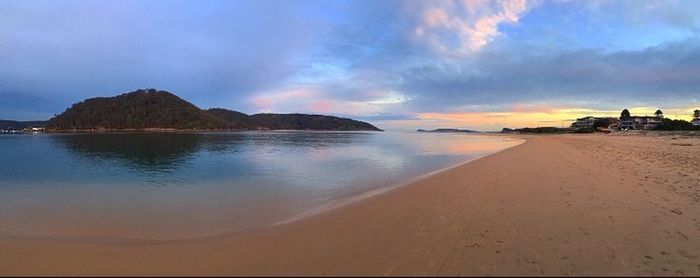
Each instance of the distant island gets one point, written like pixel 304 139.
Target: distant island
pixel 151 109
pixel 21 125
pixel 449 130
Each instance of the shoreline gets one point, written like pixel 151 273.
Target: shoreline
pixel 554 205
pixel 361 196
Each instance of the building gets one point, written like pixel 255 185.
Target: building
pixel 696 117
pixel 629 122
pixel 593 122
pixel 33 129
pixel 585 122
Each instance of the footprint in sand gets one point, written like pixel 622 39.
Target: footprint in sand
pixel 677 211
pixel 686 255
pixel 677 235
pixel 474 245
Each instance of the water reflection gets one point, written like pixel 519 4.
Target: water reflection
pixel 164 150
pixel 176 185
pixel 150 151
pixel 309 139
pixel 175 158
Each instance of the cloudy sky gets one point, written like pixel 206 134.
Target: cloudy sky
pixel 399 64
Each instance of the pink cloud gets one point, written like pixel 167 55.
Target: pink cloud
pixel 320 106
pixel 268 100
pixel 473 22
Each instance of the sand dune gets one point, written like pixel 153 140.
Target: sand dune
pixel 555 205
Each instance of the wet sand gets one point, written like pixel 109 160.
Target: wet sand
pixel 564 204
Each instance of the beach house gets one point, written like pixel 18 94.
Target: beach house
pixel 593 122
pixel 629 122
pixel 585 122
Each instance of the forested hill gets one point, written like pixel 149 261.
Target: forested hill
pixel 307 122
pixel 154 109
pixel 236 119
pixel 140 109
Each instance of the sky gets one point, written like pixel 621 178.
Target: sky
pixel 399 64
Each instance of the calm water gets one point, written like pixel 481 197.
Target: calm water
pixel 174 185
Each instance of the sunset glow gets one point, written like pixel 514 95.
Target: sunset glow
pixel 407 64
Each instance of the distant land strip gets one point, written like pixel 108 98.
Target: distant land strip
pixel 156 110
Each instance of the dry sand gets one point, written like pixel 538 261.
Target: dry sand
pixel 565 204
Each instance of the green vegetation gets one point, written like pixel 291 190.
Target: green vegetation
pixel 150 108
pixel 625 114
pixel 670 125
pixel 236 119
pixel 136 110
pixel 307 122
pixel 585 130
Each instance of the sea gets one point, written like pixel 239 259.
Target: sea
pixel 172 186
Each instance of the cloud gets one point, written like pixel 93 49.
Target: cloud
pixel 361 64
pixel 315 100
pixel 494 121
pixel 464 27
pixel 668 74
pixel 380 60
pixel 679 14
pixel 363 67
pixel 282 99
pixel 213 53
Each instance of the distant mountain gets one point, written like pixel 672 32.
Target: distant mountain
pixel 269 121
pixel 307 122
pixel 17 125
pixel 153 109
pixel 449 130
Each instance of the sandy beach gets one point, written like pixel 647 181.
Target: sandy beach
pixel 554 205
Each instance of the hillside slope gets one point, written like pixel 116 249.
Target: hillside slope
pixel 154 109
pixel 140 109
